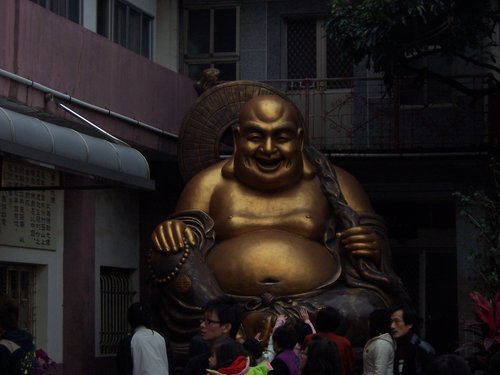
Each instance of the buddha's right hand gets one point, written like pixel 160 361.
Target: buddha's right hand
pixel 172 235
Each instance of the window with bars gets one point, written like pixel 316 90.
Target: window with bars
pixel 70 9
pixel 211 40
pixel 126 25
pixel 311 54
pixel 18 282
pixel 116 296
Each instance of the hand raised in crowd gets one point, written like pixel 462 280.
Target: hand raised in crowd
pixel 304 314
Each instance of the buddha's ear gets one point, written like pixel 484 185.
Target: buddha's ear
pixel 300 137
pixel 228 167
pixel 236 134
pixel 307 171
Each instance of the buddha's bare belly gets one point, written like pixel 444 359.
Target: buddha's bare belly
pixel 274 261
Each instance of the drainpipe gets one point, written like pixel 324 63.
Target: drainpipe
pixel 81 103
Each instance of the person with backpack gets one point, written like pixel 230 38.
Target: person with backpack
pixel 413 354
pixel 17 350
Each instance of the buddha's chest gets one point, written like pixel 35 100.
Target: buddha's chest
pixel 302 210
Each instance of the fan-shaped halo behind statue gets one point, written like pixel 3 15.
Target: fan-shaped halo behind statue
pixel 213 113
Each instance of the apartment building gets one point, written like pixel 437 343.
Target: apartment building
pixel 90 105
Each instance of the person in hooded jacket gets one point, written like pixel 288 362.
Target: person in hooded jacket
pixel 378 353
pixel 17 350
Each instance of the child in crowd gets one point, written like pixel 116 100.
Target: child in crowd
pixel 303 328
pixel 253 348
pixel 286 361
pixel 229 357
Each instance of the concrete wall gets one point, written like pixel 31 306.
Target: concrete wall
pixel 79 287
pixel 253 40
pixel 167 34
pixel 117 228
pixel 116 240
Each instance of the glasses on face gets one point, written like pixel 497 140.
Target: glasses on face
pixel 209 321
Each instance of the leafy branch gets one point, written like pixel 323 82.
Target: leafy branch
pixel 390 34
pixel 486 259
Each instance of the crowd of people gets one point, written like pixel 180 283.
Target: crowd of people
pixel 393 347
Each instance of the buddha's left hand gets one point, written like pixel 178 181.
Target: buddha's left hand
pixel 361 241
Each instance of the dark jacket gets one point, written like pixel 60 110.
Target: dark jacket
pixel 197 365
pixel 17 353
pixel 124 363
pixel 416 354
pixel 286 362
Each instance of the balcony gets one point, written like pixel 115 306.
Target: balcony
pixel 355 115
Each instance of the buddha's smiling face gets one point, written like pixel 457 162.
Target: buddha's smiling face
pixel 268 144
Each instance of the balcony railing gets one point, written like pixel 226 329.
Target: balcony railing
pixel 357 114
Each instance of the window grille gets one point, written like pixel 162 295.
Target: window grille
pixel 338 66
pixel 311 54
pixel 116 297
pixel 126 25
pixel 211 39
pixel 69 9
pixel 18 282
pixel 301 51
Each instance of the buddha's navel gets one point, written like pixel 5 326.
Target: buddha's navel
pixel 271 260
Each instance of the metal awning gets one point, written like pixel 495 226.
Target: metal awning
pixel 70 150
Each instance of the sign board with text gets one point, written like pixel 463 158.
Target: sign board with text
pixel 28 217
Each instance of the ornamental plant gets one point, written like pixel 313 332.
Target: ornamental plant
pixel 485 329
pixel 44 364
pixel 485 258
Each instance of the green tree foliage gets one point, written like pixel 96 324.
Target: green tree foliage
pixel 485 259
pixel 394 34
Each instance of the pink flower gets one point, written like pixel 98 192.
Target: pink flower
pixel 44 364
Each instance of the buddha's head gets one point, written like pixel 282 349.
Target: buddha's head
pixel 268 144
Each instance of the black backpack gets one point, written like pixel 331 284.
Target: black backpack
pixel 23 362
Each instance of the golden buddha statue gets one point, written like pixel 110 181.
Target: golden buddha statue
pixel 277 227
